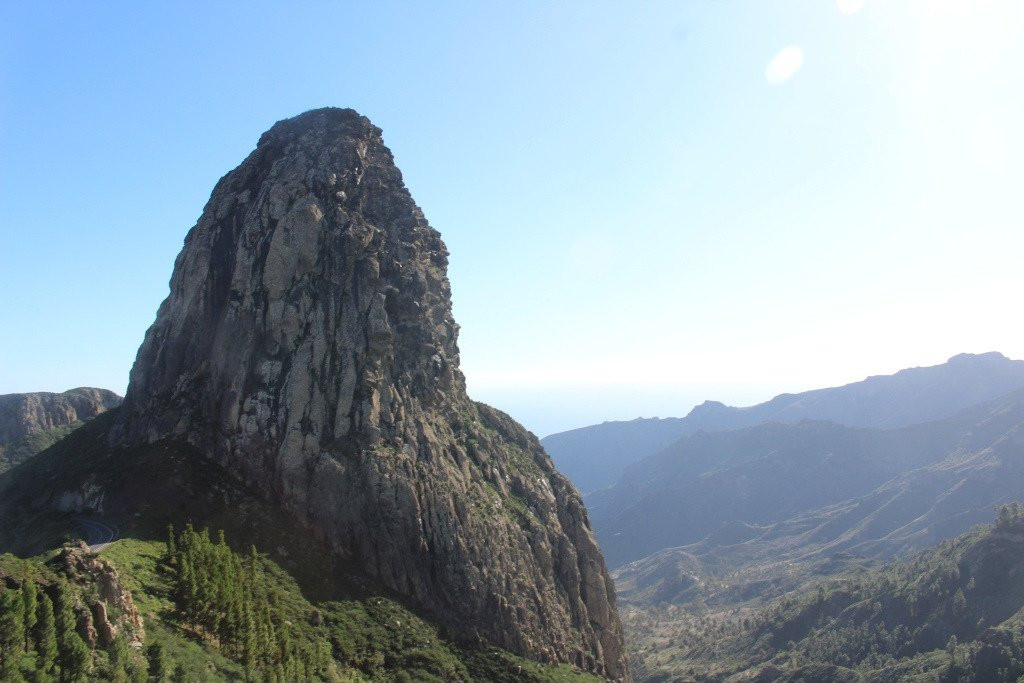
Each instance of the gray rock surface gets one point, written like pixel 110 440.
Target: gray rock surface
pixel 308 345
pixel 98 627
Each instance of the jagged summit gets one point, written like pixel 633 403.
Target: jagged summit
pixel 344 257
pixel 308 345
pixel 326 119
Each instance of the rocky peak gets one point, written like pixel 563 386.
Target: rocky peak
pixel 308 344
pixel 25 414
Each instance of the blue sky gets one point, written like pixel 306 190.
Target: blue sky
pixel 647 204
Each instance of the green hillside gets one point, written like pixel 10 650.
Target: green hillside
pixel 952 613
pixel 213 614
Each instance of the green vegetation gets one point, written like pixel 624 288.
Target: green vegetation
pixel 39 640
pixel 498 456
pixel 211 613
pixel 228 601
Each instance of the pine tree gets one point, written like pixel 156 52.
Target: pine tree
pixel 159 665
pixel 250 645
pixel 228 598
pixel 951 650
pixel 959 603
pixel 72 653
pixel 45 635
pixel 180 675
pixel 120 659
pixel 172 545
pixel 12 633
pixel 30 603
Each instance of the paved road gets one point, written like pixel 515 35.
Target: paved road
pixel 97 534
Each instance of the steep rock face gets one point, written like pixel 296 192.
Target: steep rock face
pixel 308 345
pixel 25 414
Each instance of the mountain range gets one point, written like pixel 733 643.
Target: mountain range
pixel 725 523
pixel 31 422
pixel 297 486
pixel 786 490
pixel 595 457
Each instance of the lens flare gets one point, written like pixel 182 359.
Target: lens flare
pixel 784 65
pixel 849 6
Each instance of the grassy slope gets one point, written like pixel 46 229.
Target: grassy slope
pixel 373 638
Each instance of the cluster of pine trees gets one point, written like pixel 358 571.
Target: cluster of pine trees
pixel 1007 515
pixel 39 640
pixel 229 602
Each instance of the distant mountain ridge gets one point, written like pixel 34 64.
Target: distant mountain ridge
pixel 594 457
pixel 23 414
pixel 34 421
pixel 815 488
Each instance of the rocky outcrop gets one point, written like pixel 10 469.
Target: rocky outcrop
pixel 308 345
pixel 25 414
pixel 99 589
pixel 95 627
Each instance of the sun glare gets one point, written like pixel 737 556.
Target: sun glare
pixel 849 6
pixel 784 65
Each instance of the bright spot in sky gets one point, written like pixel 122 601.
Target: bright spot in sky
pixel 784 65
pixel 849 6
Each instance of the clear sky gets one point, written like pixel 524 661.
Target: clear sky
pixel 647 204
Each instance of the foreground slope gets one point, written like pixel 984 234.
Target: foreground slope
pixel 307 353
pixel 193 609
pixel 594 457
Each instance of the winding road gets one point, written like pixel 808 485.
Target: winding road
pixel 97 534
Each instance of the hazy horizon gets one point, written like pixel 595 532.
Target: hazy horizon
pixel 646 207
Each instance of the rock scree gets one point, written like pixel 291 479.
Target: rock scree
pixel 308 345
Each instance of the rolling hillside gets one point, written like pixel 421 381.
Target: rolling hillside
pixel 955 612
